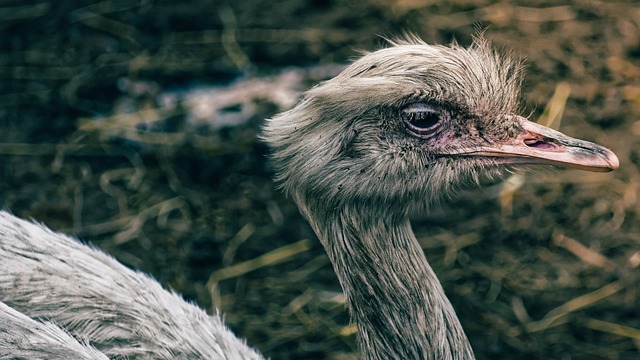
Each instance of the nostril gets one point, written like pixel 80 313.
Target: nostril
pixel 539 144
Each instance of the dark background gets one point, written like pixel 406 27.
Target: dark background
pixel 550 271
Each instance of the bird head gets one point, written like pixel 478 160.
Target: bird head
pixel 406 124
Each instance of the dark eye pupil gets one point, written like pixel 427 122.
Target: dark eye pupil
pixel 422 119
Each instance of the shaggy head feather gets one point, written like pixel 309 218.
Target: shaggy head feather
pixel 346 140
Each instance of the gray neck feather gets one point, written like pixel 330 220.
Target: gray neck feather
pixel 394 297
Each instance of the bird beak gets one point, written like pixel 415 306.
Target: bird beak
pixel 538 144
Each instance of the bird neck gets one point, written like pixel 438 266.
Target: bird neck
pixel 393 295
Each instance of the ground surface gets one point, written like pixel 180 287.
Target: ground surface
pixel 548 272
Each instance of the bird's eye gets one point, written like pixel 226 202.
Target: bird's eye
pixel 422 118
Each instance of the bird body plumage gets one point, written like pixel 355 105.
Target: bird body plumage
pixel 67 287
pixel 393 133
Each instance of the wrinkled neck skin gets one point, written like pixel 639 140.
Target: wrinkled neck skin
pixel 392 293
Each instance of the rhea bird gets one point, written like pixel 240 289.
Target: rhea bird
pixel 394 132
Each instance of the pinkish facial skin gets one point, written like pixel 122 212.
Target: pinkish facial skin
pixel 538 144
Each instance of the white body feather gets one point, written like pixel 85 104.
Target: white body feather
pixel 60 297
